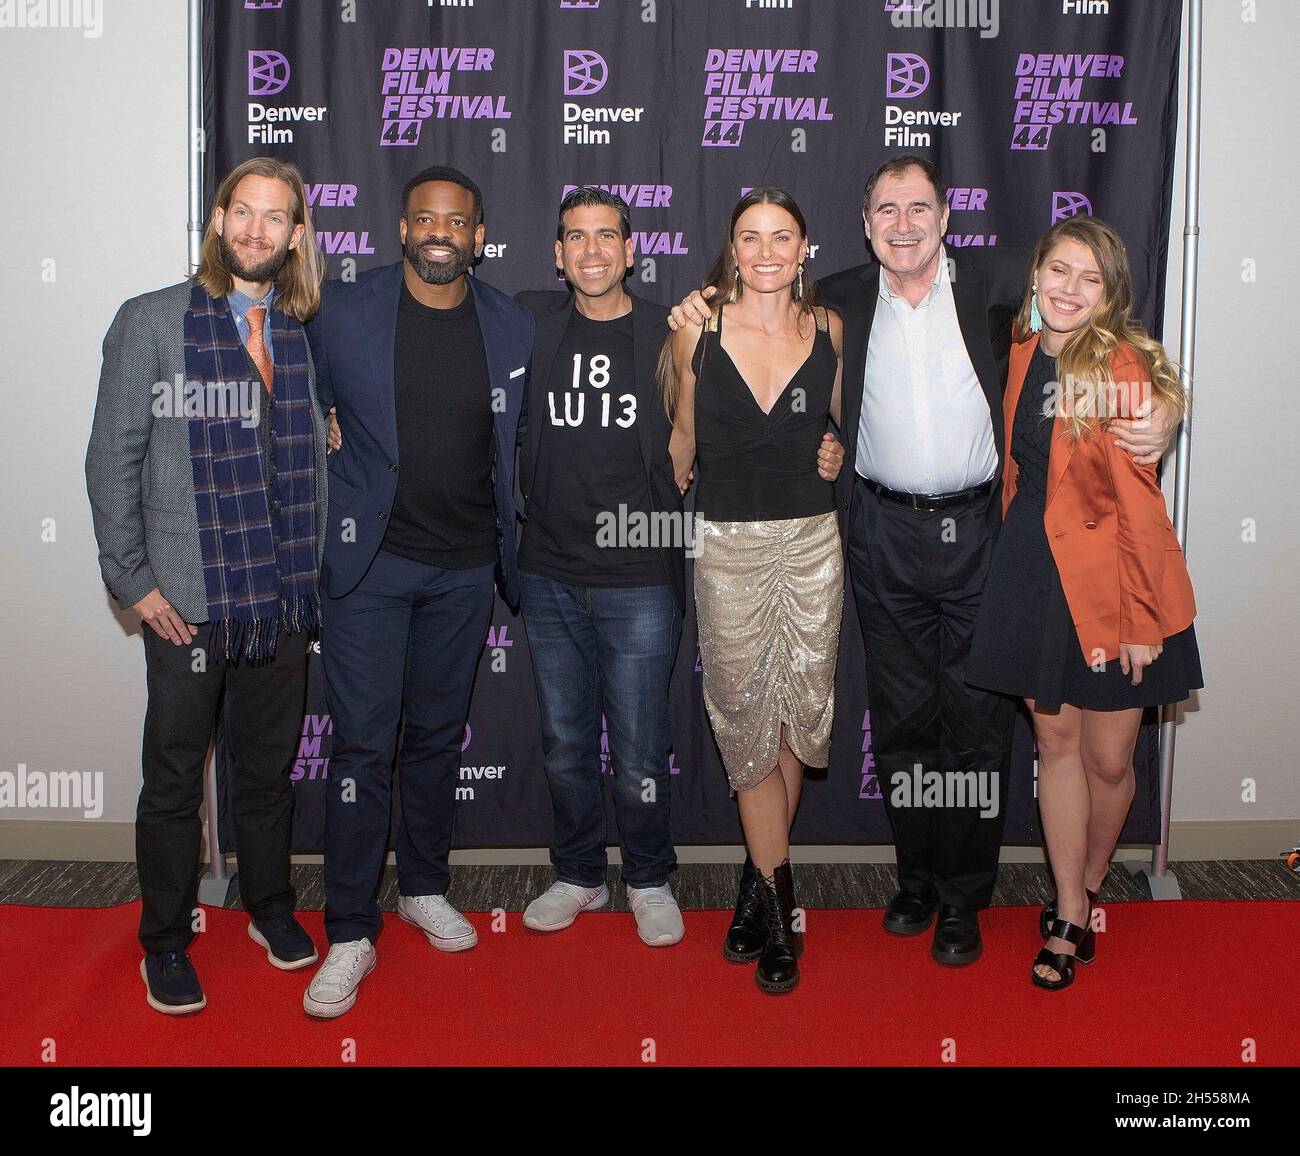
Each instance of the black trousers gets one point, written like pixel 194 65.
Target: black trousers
pixel 264 709
pixel 917 579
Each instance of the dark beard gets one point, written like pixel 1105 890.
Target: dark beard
pixel 437 272
pixel 266 270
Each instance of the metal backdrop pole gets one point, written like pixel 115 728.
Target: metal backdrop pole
pixel 215 884
pixel 1159 880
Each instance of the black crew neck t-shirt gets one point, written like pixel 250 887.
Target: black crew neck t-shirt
pixel 443 512
pixel 590 517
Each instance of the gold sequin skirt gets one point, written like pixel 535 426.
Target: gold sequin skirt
pixel 768 601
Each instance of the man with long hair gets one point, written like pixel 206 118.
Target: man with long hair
pixel 206 476
pixel 426 366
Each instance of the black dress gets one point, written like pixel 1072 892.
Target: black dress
pixel 1025 642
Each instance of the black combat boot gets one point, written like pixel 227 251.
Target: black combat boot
pixel 748 931
pixel 778 967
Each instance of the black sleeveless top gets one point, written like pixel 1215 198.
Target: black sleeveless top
pixel 756 466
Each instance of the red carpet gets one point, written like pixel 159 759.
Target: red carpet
pixel 1174 984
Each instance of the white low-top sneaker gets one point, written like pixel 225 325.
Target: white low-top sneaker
pixel 333 990
pixel 558 906
pixel 443 926
pixel 658 918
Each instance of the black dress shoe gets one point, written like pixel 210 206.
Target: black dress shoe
pixel 909 913
pixel 957 936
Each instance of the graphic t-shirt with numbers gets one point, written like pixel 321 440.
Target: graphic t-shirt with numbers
pixel 589 465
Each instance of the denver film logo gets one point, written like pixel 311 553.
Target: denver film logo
pixel 268 72
pixel 1067 204
pixel 585 72
pixel 907 75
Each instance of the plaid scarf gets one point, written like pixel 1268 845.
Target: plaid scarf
pixel 259 571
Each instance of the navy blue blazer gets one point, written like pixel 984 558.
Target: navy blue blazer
pixel 352 343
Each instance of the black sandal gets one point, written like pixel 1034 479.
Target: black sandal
pixel 1062 963
pixel 1088 950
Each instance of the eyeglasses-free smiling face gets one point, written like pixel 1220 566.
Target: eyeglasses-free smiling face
pixel 905 223
pixel 767 248
pixel 593 254
pixel 1070 286
pixel 439 237
pixel 256 230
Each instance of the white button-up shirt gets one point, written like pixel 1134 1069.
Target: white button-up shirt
pixel 925 426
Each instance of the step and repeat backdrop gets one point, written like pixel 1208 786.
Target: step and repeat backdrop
pixel 1033 109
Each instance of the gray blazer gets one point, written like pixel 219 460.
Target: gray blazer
pixel 138 472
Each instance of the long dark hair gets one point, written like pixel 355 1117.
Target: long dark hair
pixel 722 273
pixel 722 276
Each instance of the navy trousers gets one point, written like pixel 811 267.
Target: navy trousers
pixel 400 649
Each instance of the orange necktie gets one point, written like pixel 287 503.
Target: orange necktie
pixel 257 346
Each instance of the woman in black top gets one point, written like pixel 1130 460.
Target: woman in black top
pixel 749 393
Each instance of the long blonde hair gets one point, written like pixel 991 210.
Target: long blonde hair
pixel 300 279
pixel 1083 365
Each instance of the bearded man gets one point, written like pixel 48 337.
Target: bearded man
pixel 426 366
pixel 206 477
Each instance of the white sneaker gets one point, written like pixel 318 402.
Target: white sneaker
pixel 443 926
pixel 333 990
pixel 658 918
pixel 558 906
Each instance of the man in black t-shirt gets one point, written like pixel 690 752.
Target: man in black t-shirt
pixel 426 366
pixel 602 569
pixel 601 578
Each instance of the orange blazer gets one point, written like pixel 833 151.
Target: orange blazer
pixel 1117 553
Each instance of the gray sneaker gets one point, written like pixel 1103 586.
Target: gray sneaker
pixel 658 918
pixel 558 906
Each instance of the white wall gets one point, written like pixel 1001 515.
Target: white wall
pixel 93 142
pixel 92 146
pixel 1246 723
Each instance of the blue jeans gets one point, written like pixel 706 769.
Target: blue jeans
pixel 614 644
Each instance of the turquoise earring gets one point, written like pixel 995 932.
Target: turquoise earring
pixel 1035 318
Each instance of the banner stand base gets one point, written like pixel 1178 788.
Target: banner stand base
pixel 1163 886
pixel 214 890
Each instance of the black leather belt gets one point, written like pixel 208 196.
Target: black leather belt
pixel 928 501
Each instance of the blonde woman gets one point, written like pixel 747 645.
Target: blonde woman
pixel 1087 613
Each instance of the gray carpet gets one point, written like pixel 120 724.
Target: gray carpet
pixel 696 885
